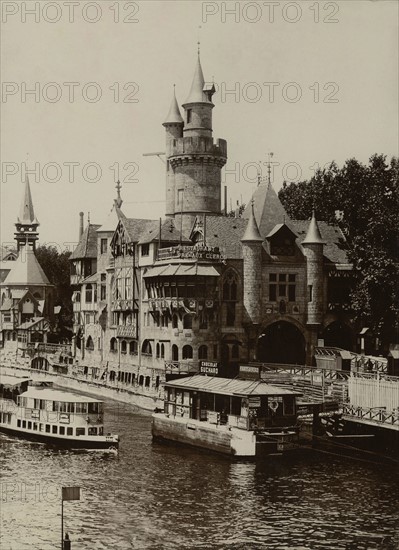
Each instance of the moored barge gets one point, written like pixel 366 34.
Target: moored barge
pixel 242 418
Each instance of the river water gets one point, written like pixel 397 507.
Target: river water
pixel 153 496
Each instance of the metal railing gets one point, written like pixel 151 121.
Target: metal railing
pixel 379 415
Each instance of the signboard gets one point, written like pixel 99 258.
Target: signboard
pixel 209 367
pixel 254 402
pixel 249 372
pixel 71 493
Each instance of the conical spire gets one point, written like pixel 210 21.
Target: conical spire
pixel 196 94
pixel 313 236
pixel 252 231
pixel 26 213
pixel 174 116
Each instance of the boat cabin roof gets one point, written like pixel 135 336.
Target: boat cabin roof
pixel 49 394
pixel 228 386
pixel 11 381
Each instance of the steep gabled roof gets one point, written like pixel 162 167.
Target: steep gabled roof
pixel 169 233
pixel 268 209
pixel 26 270
pixel 87 246
pixel 135 228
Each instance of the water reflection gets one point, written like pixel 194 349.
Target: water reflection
pixel 154 496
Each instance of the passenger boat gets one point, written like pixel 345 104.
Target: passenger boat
pixel 242 418
pixel 54 416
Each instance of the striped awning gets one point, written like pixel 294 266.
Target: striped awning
pixel 178 270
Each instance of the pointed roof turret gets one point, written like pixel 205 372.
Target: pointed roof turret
pixel 197 94
pixel 313 235
pixel 174 116
pixel 26 213
pixel 252 231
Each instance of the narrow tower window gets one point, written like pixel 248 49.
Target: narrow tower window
pixel 188 116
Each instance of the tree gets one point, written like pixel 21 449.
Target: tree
pixel 56 267
pixel 367 200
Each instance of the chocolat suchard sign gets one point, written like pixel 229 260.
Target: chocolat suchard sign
pixel 209 368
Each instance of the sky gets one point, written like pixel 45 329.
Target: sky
pixel 311 82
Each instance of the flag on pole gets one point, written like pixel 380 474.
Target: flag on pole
pixel 71 493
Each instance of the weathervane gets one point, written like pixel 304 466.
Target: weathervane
pixel 269 169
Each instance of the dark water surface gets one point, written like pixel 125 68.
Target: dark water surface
pixel 154 497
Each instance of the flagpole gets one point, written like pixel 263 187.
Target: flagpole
pixel 62 523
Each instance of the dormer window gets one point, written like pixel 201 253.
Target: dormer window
pixel 282 241
pixel 145 249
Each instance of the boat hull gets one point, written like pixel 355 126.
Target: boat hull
pixel 101 443
pixel 226 440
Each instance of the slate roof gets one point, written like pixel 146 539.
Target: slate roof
pixel 136 227
pixel 169 233
pixel 26 270
pixel 87 246
pixel 226 233
pixel 268 209
pixel 335 247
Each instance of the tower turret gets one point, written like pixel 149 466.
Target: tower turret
pixel 27 223
pixel 314 246
pixel 194 161
pixel 174 129
pixel 252 255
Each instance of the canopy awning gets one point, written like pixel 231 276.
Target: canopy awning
pixel 180 270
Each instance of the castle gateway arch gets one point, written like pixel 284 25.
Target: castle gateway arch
pixel 281 342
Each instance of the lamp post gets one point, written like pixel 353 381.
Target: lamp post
pixel 68 493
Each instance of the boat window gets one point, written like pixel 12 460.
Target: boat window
pixel 236 406
pixel 69 431
pixel 29 425
pixel 62 430
pixel 93 408
pixel 24 423
pixel 288 405
pixel 18 423
pixel 81 408
pixel 71 407
pixel 48 428
pixel 41 427
pixel 35 426
pixel 55 429
pixel 100 430
pixel 80 431
pixel 92 431
pixel 63 407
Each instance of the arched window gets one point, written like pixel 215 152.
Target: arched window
pixel 113 345
pixel 187 352
pixel 147 381
pixel 203 352
pixel 157 382
pixel 175 353
pixel 188 322
pixel 123 346
pixel 132 347
pixel 175 321
pixel 89 294
pixel 141 380
pixel 133 378
pixel 157 350
pixel 230 283
pixel 146 347
pixel 162 351
pixel 90 343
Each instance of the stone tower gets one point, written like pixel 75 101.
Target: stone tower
pixel 27 224
pixel 194 161
pixel 314 245
pixel 252 256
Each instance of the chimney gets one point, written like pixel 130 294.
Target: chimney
pixel 81 215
